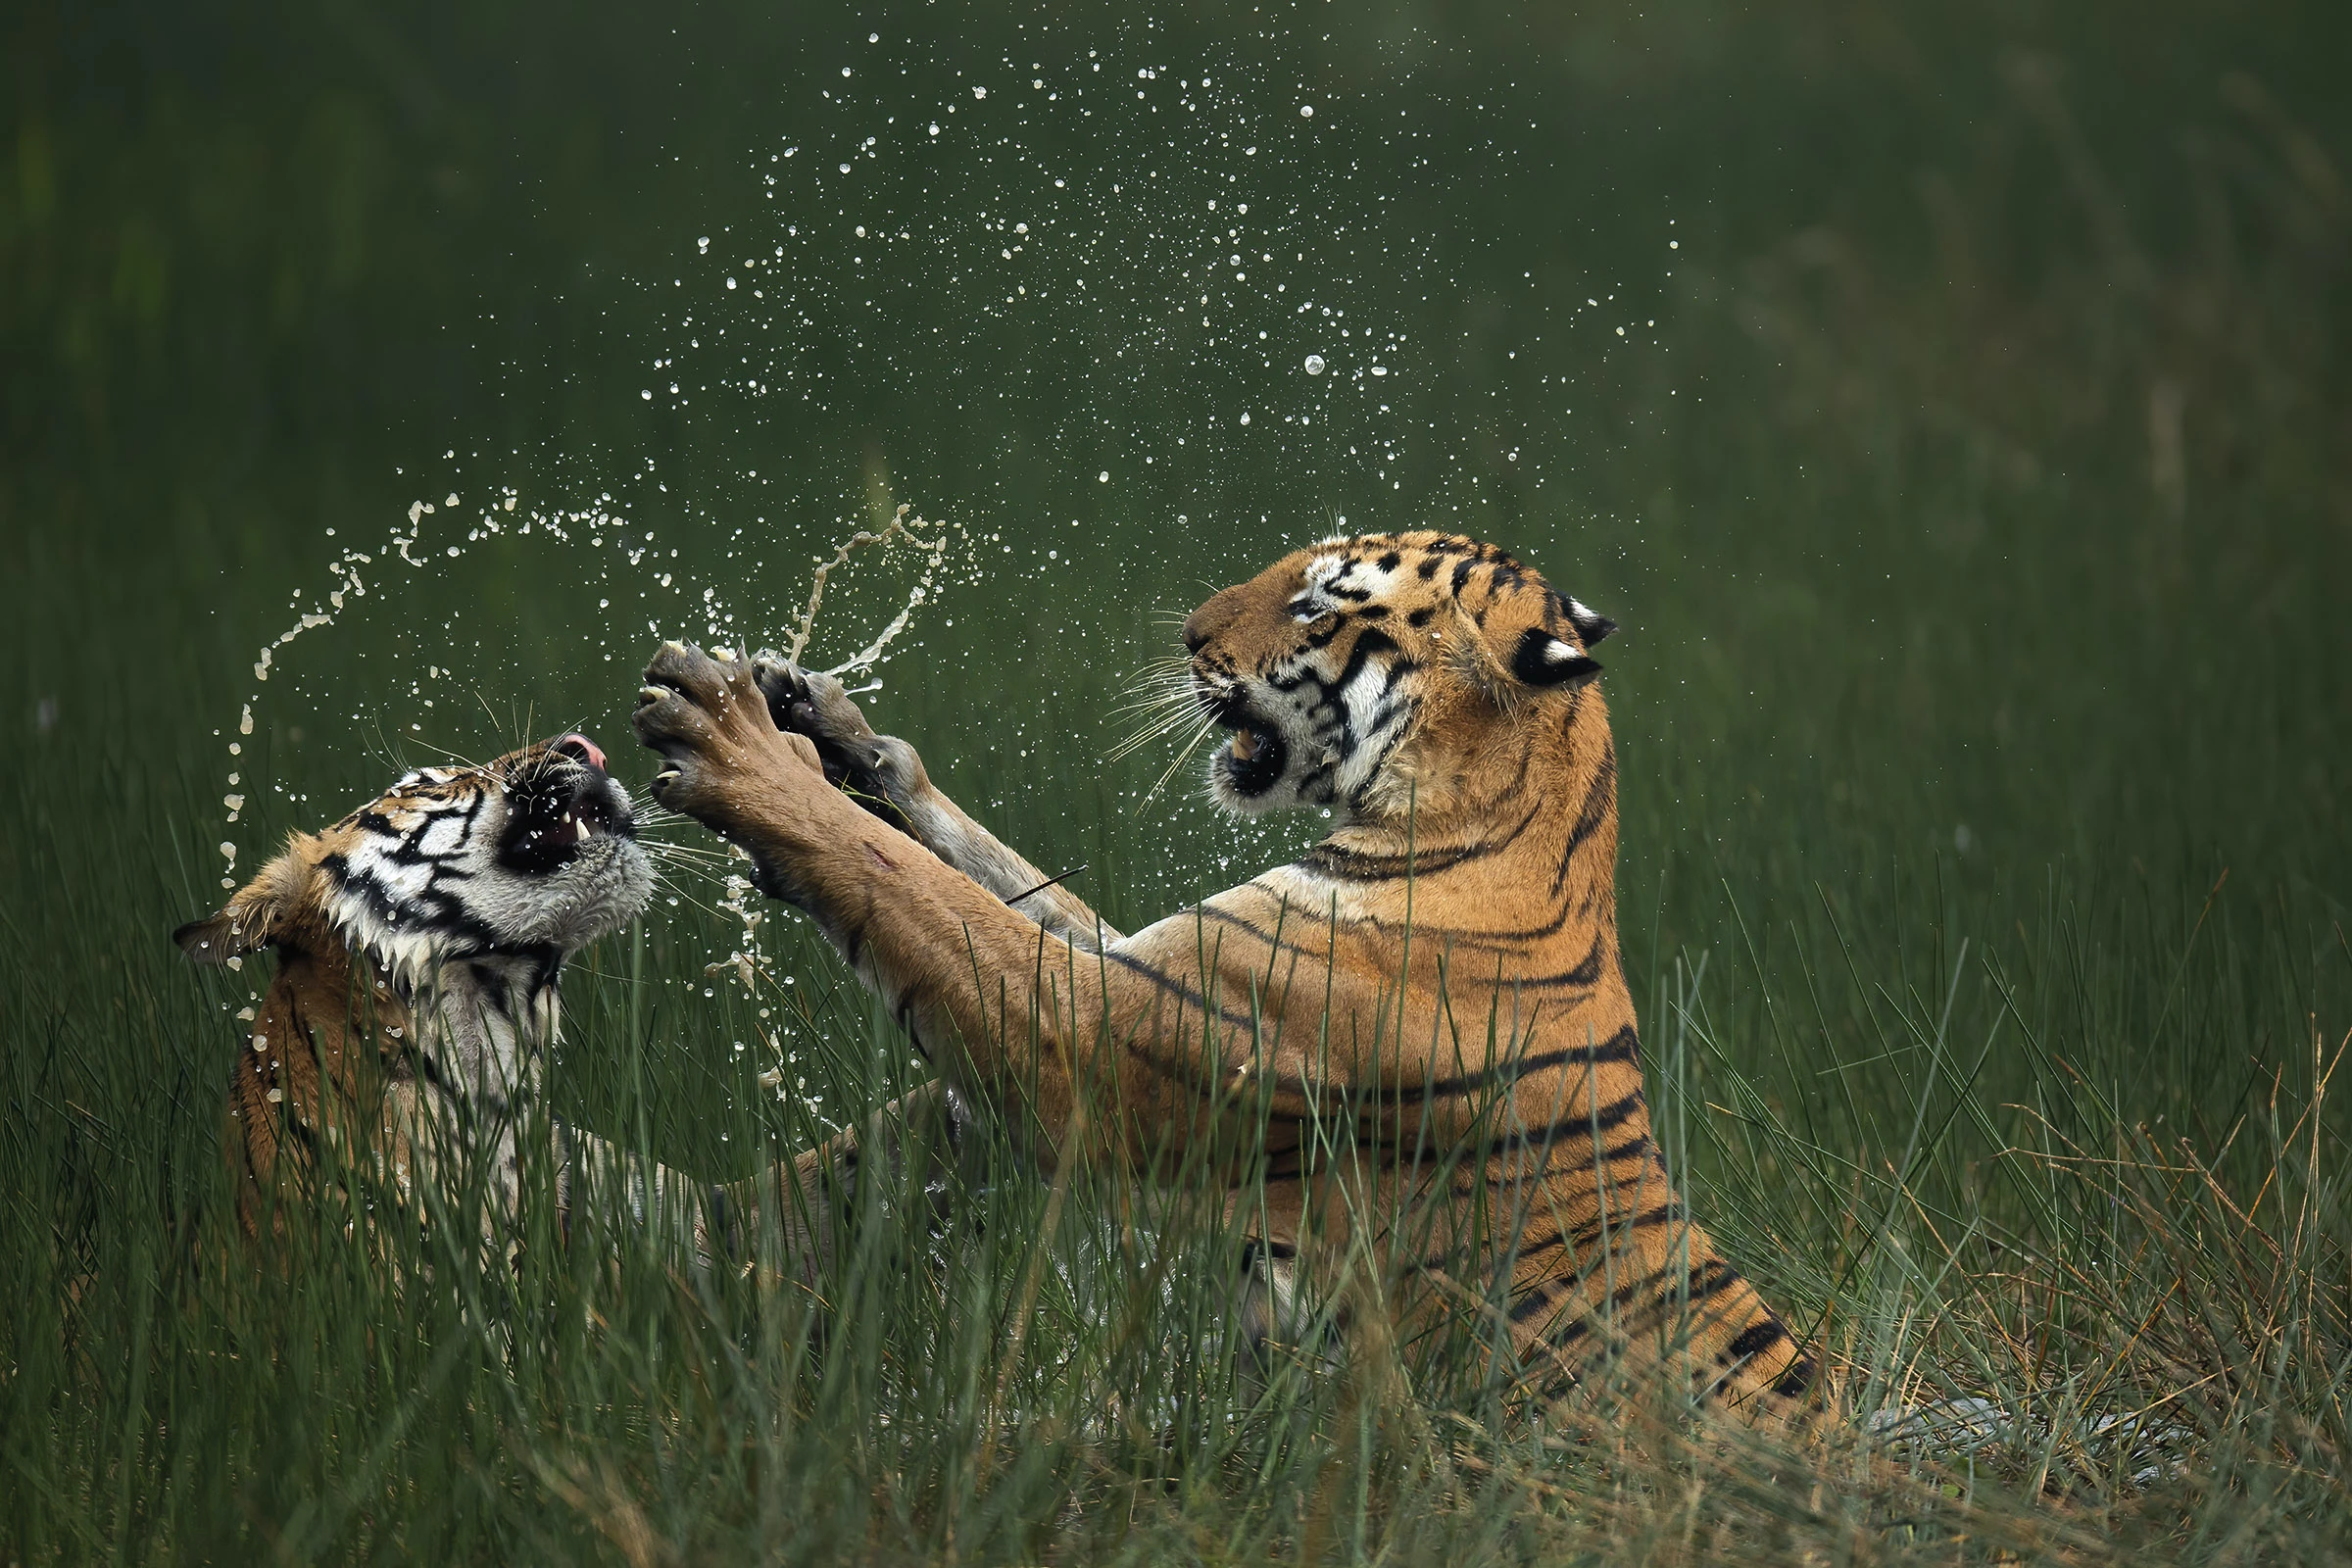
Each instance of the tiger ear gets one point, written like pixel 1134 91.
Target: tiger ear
pixel 215 940
pixel 1543 659
pixel 259 914
pixel 1590 624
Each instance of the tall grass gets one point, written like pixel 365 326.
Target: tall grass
pixel 2092 1331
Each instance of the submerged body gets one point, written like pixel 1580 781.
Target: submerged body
pixel 420 942
pixel 1410 1054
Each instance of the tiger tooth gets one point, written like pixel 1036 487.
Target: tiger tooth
pixel 1245 743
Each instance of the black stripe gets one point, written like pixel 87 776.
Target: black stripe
pixel 1712 1277
pixel 1343 865
pixel 1670 1212
pixel 1636 1146
pixel 1175 987
pixel 1600 798
pixel 1619 1047
pixel 1501 944
pixel 1390 1147
pixel 1544 1292
pixel 1572 1236
pixel 1588 1124
pixel 1373 641
pixel 1754 1339
pixel 1797 1379
pixel 1587 972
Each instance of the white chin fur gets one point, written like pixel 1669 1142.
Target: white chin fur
pixel 608 882
pixel 1221 791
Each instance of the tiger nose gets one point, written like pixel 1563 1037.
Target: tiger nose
pixel 581 747
pixel 1203 625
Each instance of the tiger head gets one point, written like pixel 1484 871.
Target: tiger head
pixel 534 855
pixel 1354 673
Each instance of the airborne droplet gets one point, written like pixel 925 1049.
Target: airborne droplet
pixel 1314 364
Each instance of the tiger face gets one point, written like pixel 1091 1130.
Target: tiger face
pixel 1334 667
pixel 534 854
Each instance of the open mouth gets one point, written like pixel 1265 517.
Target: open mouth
pixel 1253 759
pixel 580 828
pixel 560 809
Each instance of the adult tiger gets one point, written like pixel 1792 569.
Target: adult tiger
pixel 420 942
pixel 1439 977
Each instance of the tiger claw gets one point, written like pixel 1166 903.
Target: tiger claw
pixel 781 683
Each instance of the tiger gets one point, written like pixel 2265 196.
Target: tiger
pixel 1439 977
pixel 420 942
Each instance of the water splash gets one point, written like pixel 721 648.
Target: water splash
pixel 356 574
pixel 902 525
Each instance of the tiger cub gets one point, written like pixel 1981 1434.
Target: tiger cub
pixel 418 943
pixel 1413 1044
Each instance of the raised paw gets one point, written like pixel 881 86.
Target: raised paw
pixel 806 702
pixel 724 761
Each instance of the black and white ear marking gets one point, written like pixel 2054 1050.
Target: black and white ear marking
pixel 1591 625
pixel 1544 660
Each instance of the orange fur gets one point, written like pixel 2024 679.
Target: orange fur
pixel 416 970
pixel 1437 979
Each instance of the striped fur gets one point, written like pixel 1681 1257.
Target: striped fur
pixel 1417 1035
pixel 419 942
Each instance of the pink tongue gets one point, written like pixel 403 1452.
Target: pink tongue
pixel 596 757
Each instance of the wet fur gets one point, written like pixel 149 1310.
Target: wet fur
pixel 415 982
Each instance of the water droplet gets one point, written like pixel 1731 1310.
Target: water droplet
pixel 1104 478
pixel 1314 364
pixel 1306 111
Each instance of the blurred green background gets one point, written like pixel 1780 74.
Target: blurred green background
pixel 1953 402
pixel 1980 449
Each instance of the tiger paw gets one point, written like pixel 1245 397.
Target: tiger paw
pixel 724 761
pixel 879 769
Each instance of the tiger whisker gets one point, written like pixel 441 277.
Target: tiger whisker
pixel 1135 743
pixel 687 854
pixel 1177 702
pixel 1168 724
pixel 1183 755
pixel 1157 688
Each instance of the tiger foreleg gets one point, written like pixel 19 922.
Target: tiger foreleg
pixel 886 775
pixel 798 1218
pixel 1025 1020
